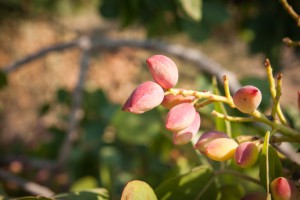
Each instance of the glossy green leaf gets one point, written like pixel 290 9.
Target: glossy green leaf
pixel 197 184
pixel 270 165
pixel 193 8
pixel 91 194
pixel 136 190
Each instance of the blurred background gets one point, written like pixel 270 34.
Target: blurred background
pixel 56 94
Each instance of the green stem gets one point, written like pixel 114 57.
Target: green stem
pixel 273 91
pixel 232 118
pixel 277 97
pixel 287 131
pixel 238 174
pixel 200 95
pixel 258 116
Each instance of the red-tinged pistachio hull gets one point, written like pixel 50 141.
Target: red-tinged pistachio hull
pixel 180 117
pixel 185 136
pixel 284 189
pixel 247 99
pixel 246 154
pixel 145 97
pixel 206 138
pixel 163 70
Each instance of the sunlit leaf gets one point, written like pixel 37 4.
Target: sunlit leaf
pixel 197 184
pixel 193 8
pixel 136 190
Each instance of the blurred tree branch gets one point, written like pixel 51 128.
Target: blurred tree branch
pixel 201 61
pixel 28 186
pixel 72 133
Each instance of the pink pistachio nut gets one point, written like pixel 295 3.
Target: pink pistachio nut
pixel 186 135
pixel 246 154
pixel 206 138
pixel 145 97
pixel 283 189
pixel 163 70
pixel 221 149
pixel 171 100
pixel 180 117
pixel 247 99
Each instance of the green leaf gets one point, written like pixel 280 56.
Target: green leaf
pixel 3 79
pixel 86 182
pixel 197 184
pixel 232 192
pixel 136 190
pixel 270 165
pixel 137 129
pixel 193 8
pixel 92 194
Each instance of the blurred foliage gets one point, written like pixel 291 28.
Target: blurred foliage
pixel 10 9
pixel 263 24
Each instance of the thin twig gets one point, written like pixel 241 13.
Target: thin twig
pixel 30 161
pixel 72 134
pixel 232 118
pixel 291 11
pixel 273 91
pixel 291 43
pixel 28 186
pixel 39 54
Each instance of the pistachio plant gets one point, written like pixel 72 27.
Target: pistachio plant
pixel 183 120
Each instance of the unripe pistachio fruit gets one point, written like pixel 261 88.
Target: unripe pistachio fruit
pixel 145 97
pixel 246 154
pixel 171 100
pixel 247 99
pixel 221 149
pixel 180 117
pixel 206 138
pixel 163 70
pixel 283 189
pixel 184 136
